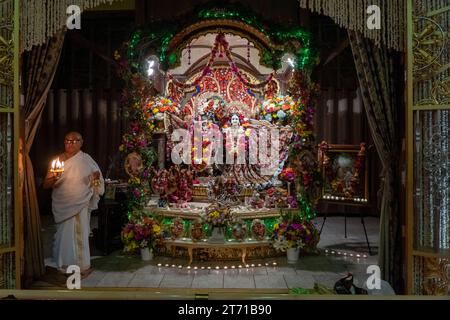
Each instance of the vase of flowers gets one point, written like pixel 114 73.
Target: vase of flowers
pixel 218 217
pixel 293 234
pixel 141 234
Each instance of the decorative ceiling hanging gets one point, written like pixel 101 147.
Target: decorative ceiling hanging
pixel 42 19
pixel 352 14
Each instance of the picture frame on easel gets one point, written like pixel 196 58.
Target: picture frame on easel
pixel 344 170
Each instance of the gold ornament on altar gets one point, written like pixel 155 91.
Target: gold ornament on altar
pixel 258 229
pixel 240 230
pixel 197 230
pixel 177 228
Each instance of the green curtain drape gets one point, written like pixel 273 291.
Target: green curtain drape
pixel 378 72
pixel 38 72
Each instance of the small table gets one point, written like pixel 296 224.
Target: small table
pixel 190 246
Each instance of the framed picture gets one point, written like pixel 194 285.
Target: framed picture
pixel 110 191
pixel 133 164
pixel 345 173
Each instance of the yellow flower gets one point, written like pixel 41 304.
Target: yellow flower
pixel 122 147
pixel 156 229
pixel 155 111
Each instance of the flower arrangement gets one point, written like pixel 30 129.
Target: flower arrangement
pixel 156 107
pixel 218 216
pixel 293 232
pixel 140 234
pixel 287 174
pixel 277 109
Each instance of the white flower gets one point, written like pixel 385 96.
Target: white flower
pixel 300 244
pixel 280 244
pixel 144 244
pixel 159 116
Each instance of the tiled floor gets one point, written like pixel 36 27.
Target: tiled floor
pixel 326 268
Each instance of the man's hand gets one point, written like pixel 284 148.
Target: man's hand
pixel 95 178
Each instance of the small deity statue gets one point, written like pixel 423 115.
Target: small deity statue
pixel 164 185
pixel 183 192
pixel 234 125
pixel 271 89
pixel 256 201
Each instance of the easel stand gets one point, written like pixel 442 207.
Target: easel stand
pixel 345 226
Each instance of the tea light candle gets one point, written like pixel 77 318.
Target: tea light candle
pixel 57 166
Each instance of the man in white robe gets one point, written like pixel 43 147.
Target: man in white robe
pixel 76 192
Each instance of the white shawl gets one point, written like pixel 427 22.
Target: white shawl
pixel 73 191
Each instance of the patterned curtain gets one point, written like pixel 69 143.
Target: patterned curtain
pixel 39 70
pixel 378 70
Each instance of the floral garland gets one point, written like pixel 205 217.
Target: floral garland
pixel 138 137
pixel 303 149
pixel 278 109
pixel 158 106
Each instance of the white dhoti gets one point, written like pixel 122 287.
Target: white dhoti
pixel 71 246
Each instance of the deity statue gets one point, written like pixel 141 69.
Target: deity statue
pixel 183 192
pixel 163 183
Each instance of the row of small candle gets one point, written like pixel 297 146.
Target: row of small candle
pixel 328 197
pixel 218 267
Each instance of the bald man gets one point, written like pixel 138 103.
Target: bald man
pixel 76 192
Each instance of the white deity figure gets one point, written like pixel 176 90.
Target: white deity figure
pixel 235 126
